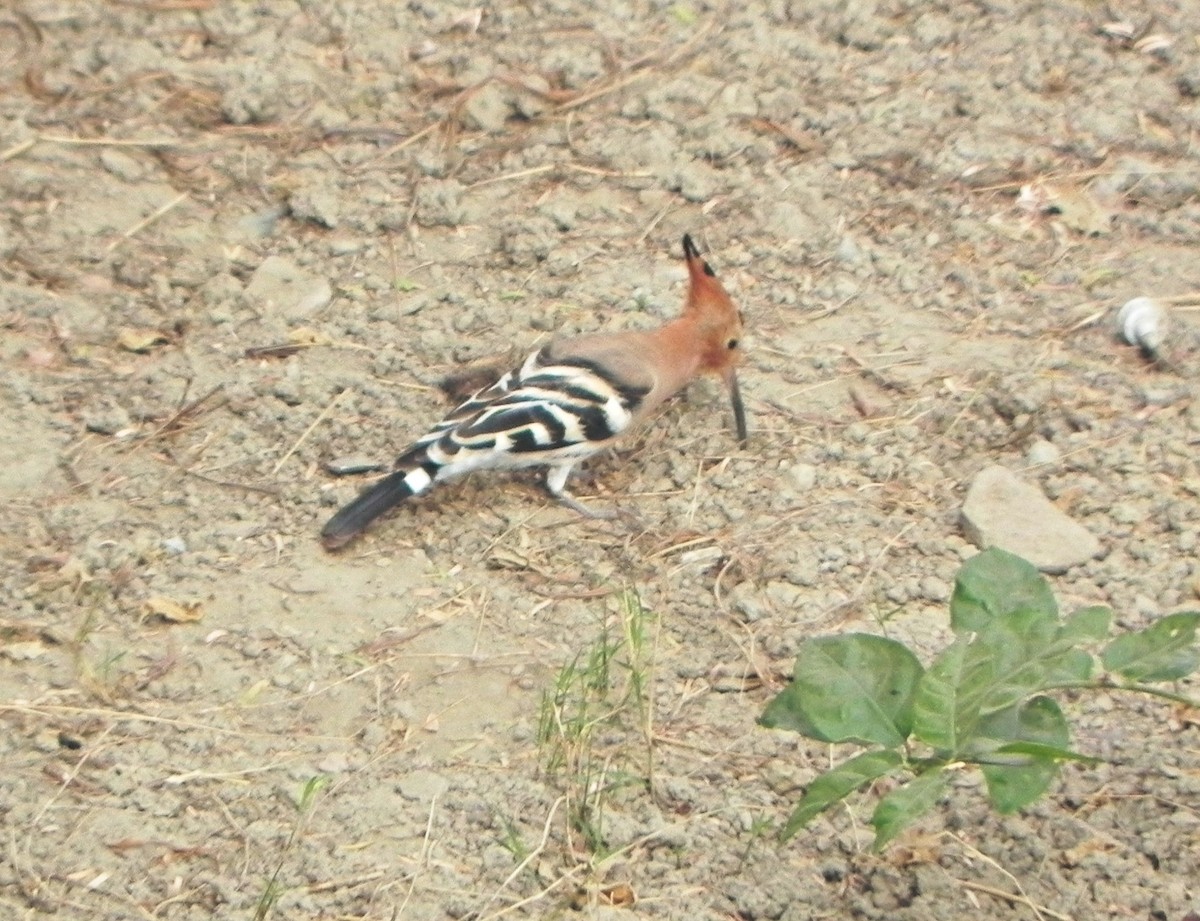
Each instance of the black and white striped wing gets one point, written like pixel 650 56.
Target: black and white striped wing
pixel 553 410
pixel 549 410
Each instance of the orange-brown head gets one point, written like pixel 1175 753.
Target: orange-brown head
pixel 719 323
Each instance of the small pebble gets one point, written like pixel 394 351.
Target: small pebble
pixel 704 556
pixel 1043 452
pixel 1143 322
pixel 803 476
pixel 344 246
pixel 106 417
pixel 352 463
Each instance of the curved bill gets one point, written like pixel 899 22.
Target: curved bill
pixel 739 409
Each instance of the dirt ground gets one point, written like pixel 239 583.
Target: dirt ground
pixel 243 240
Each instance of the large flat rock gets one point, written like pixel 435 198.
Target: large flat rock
pixel 1004 511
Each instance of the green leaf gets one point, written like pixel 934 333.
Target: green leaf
pixel 1027 750
pixel 1164 651
pixel 988 674
pixel 852 688
pixel 1090 623
pixel 1030 737
pixel 949 697
pixel 786 711
pixel 1068 667
pixel 996 584
pixel 906 804
pixel 1028 656
pixel 835 785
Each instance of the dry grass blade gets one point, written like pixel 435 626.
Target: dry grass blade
pixel 93 750
pixel 348 882
pixel 519 174
pixel 230 484
pixel 17 149
pixel 308 431
pixel 802 141
pixel 185 412
pixel 163 6
pixel 1018 898
pixel 654 222
pixel 1039 911
pixel 107 142
pixel 29 888
pixel 520 868
pixel 423 858
pixel 57 711
pixel 400 145
pixel 1190 299
pixel 283 350
pixel 644 69
pixel 149 219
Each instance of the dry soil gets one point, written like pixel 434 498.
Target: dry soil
pixel 240 240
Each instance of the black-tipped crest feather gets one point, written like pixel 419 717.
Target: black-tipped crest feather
pixel 690 252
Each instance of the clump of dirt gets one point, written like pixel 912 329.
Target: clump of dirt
pixel 243 240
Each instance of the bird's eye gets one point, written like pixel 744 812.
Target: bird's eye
pixel 732 344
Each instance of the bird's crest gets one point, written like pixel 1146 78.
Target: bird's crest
pixel 707 297
pixel 711 311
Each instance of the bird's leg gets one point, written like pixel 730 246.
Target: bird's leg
pixel 556 485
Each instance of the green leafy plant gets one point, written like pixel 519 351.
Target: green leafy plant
pixel 983 701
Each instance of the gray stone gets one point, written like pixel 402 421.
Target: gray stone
pixel 256 226
pixel 783 595
pixel 345 246
pixel 488 108
pixel 695 181
pixel 439 203
pixel 422 786
pixel 848 250
pixel 256 97
pixel 220 289
pixel 106 416
pixel 122 165
pixel 1004 511
pixel 353 463
pixel 279 284
pixel 1043 452
pixel 803 476
pixel 319 204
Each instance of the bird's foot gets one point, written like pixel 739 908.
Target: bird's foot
pixel 586 511
pixel 616 512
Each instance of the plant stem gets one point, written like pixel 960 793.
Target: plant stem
pixel 1135 688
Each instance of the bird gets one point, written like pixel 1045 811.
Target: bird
pixel 567 401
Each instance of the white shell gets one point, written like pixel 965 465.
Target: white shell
pixel 1143 322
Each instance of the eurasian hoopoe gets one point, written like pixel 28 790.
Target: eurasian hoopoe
pixel 567 402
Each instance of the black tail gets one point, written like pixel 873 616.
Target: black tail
pixel 352 519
